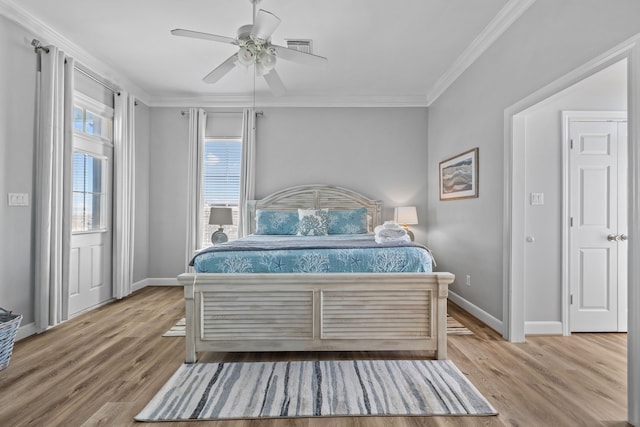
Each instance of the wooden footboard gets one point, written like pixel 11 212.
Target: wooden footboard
pixel 315 312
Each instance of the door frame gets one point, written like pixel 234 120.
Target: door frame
pixel 567 117
pixel 95 146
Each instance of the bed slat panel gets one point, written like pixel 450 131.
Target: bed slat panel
pixel 237 315
pixel 403 314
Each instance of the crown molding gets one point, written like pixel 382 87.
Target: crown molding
pixel 231 101
pixel 48 35
pixel 498 25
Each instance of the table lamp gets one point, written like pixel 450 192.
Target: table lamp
pixel 407 215
pixel 220 217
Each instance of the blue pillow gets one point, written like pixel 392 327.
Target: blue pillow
pixel 275 222
pixel 352 221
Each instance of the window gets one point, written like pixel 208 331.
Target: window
pixel 92 123
pixel 92 142
pixel 220 183
pixel 88 196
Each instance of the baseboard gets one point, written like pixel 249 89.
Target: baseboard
pixel 25 331
pixel 477 312
pixel 158 281
pixel 139 285
pixel 542 328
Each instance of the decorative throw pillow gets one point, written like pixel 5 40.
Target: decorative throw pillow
pixel 275 222
pixel 313 222
pixel 353 221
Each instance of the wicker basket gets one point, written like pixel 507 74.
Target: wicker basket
pixel 8 328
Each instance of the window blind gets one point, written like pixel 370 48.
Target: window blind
pixel 221 172
pixel 221 183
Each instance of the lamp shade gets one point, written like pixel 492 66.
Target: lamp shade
pixel 220 216
pixel 406 215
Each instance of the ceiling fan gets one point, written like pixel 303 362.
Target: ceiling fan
pixel 255 48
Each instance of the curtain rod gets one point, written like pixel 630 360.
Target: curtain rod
pixel 186 112
pixel 37 46
pixel 79 68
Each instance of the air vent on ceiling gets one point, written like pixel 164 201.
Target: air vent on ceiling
pixel 301 45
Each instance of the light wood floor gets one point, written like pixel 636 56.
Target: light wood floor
pixel 101 368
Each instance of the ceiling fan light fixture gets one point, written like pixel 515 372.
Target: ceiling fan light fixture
pixel 266 61
pixel 255 48
pixel 247 55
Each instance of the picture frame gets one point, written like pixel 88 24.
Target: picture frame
pixel 459 176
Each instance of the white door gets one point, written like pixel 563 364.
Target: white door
pixel 598 204
pixel 90 257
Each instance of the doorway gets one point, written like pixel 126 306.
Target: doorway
pixel 540 142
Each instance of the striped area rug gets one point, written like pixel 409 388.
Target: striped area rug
pixel 216 391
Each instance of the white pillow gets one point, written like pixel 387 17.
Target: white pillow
pixel 313 222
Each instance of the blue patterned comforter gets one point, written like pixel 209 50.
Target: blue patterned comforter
pixel 318 254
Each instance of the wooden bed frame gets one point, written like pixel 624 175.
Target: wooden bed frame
pixel 315 311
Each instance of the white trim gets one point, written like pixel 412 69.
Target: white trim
pixel 498 25
pixel 48 35
pixel 139 285
pixel 97 107
pixel 162 281
pixel 242 101
pixel 25 331
pixel 542 328
pixel 567 117
pixel 476 312
pixel 513 267
pixel 633 336
pixel 154 282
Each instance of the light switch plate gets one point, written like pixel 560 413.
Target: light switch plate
pixel 537 198
pixel 18 199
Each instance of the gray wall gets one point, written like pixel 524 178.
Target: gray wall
pixel 604 91
pixel 17 118
pixel 551 39
pixel 168 189
pixel 380 152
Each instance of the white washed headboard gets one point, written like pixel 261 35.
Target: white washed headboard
pixel 316 196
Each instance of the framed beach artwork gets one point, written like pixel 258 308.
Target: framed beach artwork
pixel 459 176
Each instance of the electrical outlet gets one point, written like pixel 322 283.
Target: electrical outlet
pixel 468 280
pixel 18 199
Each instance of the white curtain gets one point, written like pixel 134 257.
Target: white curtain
pixel 124 193
pixel 247 166
pixel 197 129
pixel 53 186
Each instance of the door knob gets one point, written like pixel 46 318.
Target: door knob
pixel 612 238
pixel 623 237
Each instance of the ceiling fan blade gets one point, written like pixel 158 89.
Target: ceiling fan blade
pixel 221 70
pixel 204 36
pixel 275 83
pixel 299 57
pixel 264 25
